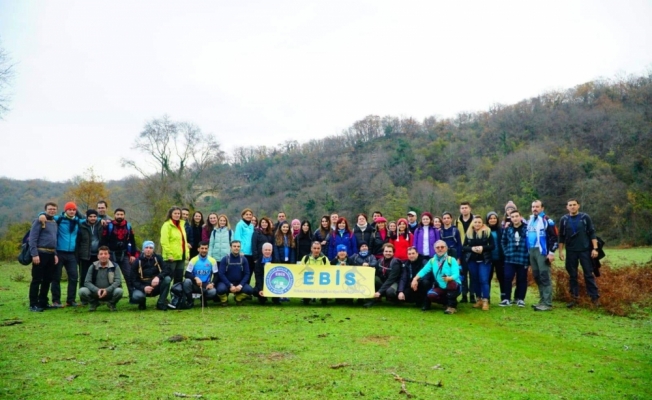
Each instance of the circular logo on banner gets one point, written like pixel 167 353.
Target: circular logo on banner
pixel 279 280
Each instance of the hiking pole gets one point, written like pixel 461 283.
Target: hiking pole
pixel 202 299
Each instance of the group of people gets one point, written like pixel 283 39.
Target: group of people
pixel 426 260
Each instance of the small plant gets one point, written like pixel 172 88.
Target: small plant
pixel 18 277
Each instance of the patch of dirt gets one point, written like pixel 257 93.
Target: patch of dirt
pixel 382 340
pixel 274 356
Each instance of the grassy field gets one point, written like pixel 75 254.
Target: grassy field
pixel 638 255
pixel 294 351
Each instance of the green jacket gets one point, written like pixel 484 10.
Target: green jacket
pixel 173 240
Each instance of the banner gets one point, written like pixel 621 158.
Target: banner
pixel 312 281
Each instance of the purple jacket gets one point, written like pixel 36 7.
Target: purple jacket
pixel 433 236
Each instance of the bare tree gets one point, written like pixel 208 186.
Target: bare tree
pixel 6 76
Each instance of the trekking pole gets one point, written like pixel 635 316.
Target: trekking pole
pixel 202 299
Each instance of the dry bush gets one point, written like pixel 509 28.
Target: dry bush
pixel 624 291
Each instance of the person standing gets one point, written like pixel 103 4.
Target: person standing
pixel 342 235
pixel 542 243
pixel 88 243
pixel 118 236
pixel 219 240
pixel 401 239
pixel 451 235
pixel 413 224
pixel 514 245
pixel 185 216
pixel 174 243
pixel 577 236
pixel 101 211
pixel 244 231
pixel 68 223
pixel 304 240
pixel 425 237
pixel 43 249
pixel 285 249
pixel 497 256
pixel 196 225
pixel 463 223
pixel 478 246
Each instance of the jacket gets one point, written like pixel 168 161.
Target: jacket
pixel 365 235
pixel 514 245
pixel 243 233
pixel 109 278
pixel 390 271
pixel 259 272
pixel 542 234
pixel 67 233
pixel 453 240
pixel 88 240
pixel 409 270
pixel 204 268
pixel 173 241
pixel 433 236
pixel 258 240
pixel 370 259
pixel 219 244
pixel 43 236
pixel 485 239
pixel 144 269
pixel 449 267
pixel 566 234
pixel 348 239
pixel 119 236
pixel 401 246
pixel 234 270
pixel 303 244
pixel 497 253
pixel 278 254
pixel 461 227
pixel 376 247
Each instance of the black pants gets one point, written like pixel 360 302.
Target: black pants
pixel 68 261
pixel 584 259
pixel 41 278
pixel 499 267
pixel 122 260
pixel 445 296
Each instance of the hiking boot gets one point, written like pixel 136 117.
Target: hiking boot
pixel 478 304
pixel 450 310
pixel 143 306
pixel 161 307
pixel 520 303
pixel 464 299
pixel 55 304
pixel 595 301
pixel 111 307
pixel 425 307
pixel 73 304
pixel 485 305
pixel 92 307
pixel 505 303
pixel 35 309
pixel 542 307
pixel 369 304
pixel 472 298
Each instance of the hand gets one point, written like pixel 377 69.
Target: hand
pixel 261 294
pixel 132 259
pixel 148 289
pixel 238 288
pixel 447 279
pixel 401 296
pixel 377 295
pixel 209 286
pixel 155 282
pixel 365 264
pixel 56 260
pixel 101 293
pixel 42 219
pixel 36 260
pixel 189 245
pixel 551 257
pixel 561 256
pixel 232 289
pixel 414 285
pixel 594 254
pixel 104 222
pixel 197 281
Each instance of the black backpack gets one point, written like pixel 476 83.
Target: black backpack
pixel 25 256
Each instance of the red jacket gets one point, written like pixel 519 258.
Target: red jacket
pixel 401 246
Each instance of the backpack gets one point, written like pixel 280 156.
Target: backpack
pixel 25 256
pixel 110 228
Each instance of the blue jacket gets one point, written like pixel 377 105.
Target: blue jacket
pixel 449 268
pixel 453 240
pixel 542 235
pixel 243 233
pixel 234 270
pixel 348 239
pixel 68 229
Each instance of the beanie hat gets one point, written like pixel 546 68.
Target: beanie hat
pixel 490 213
pixel 295 220
pixel 362 243
pixel 148 243
pixel 427 214
pixel 510 206
pixel 341 247
pixel 91 212
pixel 70 206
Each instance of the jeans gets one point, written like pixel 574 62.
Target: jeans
pixel 584 258
pixel 520 271
pixel 41 278
pixel 480 285
pixel 499 267
pixel 121 259
pixel 69 261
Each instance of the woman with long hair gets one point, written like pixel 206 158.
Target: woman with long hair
pixel 304 240
pixel 174 245
pixel 196 225
pixel 264 233
pixel 284 245
pixel 211 223
pixel 497 255
pixel 477 248
pixel 342 235
pixel 379 237
pixel 425 236
pixel 401 239
pixel 362 230
pixel 219 245
pixel 244 230
pixel 321 234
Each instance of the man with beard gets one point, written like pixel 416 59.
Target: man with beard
pixel 118 236
pixel 409 270
pixel 388 274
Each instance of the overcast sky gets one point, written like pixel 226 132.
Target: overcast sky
pixel 90 74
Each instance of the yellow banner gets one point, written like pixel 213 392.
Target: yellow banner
pixel 328 281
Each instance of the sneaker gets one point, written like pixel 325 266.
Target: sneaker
pixel 73 304
pixel 505 303
pixel 35 309
pixel 542 307
pixel 92 307
pixel 450 310
pixel 485 305
pixel 536 305
pixel 161 307
pixel 111 307
pixel 520 303
pixel 55 304
pixel 478 304
pixel 170 305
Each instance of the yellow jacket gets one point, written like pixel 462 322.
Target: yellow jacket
pixel 171 241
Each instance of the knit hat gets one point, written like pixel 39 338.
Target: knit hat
pixel 490 213
pixel 295 220
pixel 362 243
pixel 341 247
pixel 70 206
pixel 91 212
pixel 510 206
pixel 427 214
pixel 148 243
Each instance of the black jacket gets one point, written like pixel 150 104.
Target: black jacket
pixel 144 269
pixel 409 270
pixel 389 272
pixel 88 240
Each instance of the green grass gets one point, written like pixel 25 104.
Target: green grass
pixel 286 352
pixel 618 257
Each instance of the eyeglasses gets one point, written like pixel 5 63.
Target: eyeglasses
pixel 440 247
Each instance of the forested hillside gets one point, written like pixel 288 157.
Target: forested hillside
pixel 592 142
